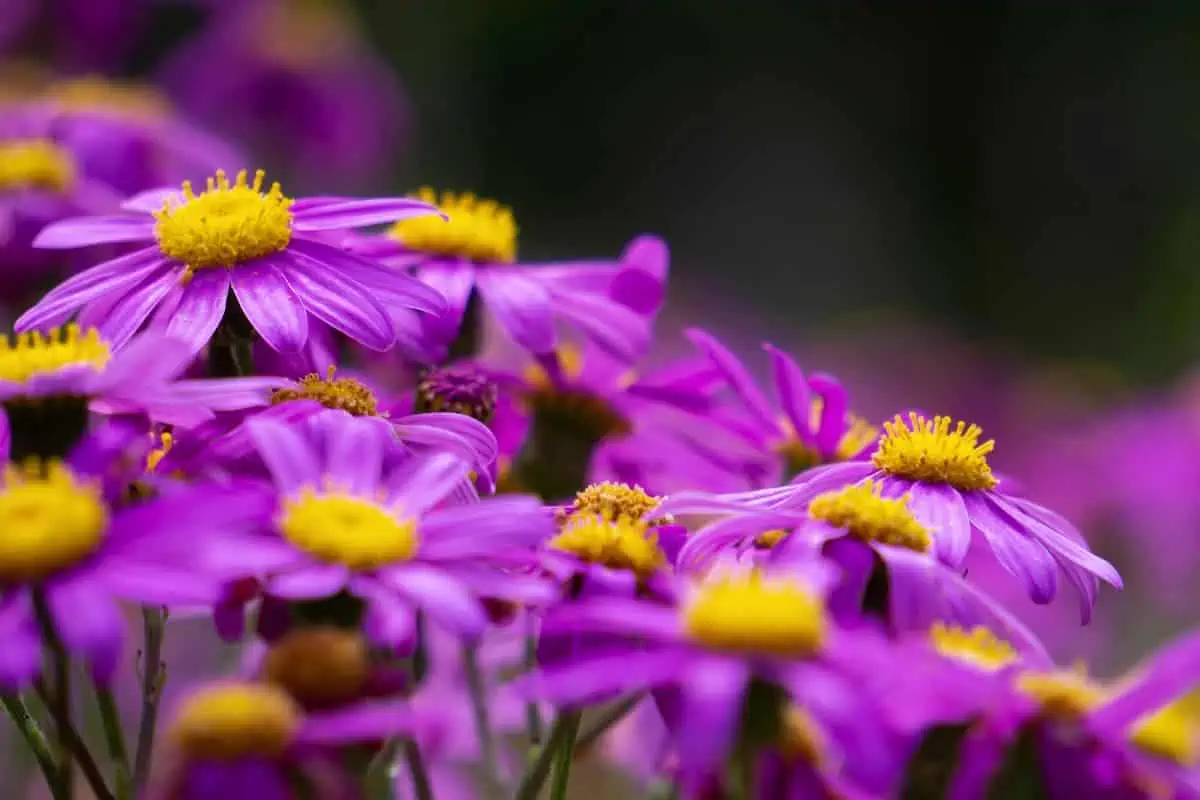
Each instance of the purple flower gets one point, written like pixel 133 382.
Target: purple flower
pixel 811 424
pixel 473 259
pixel 264 246
pixel 345 523
pixel 69 554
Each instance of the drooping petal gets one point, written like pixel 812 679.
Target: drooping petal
pixel 366 722
pixel 200 308
pixel 391 620
pixel 68 234
pixel 1025 558
pixel 792 390
pixel 445 600
pixel 271 306
pixel 354 457
pixel 425 481
pixel 115 276
pixel 485 527
pixel 124 317
pixel 835 404
pixel 615 328
pixel 393 287
pixel 521 306
pixel 343 213
pixel 339 302
pixel 736 376
pixel 713 690
pixel 641 282
pixel 469 438
pixel 290 460
pixel 942 511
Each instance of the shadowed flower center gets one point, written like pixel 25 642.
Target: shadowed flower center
pixel 573 408
pixel 460 389
pixel 615 542
pixel 50 521
pixel 800 738
pixel 319 667
pixel 35 353
pixel 755 614
pixel 345 394
pixel 862 512
pixel 799 457
pixel 348 530
pixel 99 95
pixel 35 164
pixel 612 500
pixel 978 647
pixel 226 224
pixel 236 721
pixel 933 452
pixel 478 230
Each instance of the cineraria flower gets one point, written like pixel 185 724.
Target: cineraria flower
pixel 69 552
pixel 945 471
pixel 737 641
pixel 48 384
pixel 472 259
pixel 812 425
pixel 344 523
pixel 264 246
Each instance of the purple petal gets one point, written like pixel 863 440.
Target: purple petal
pixel 582 682
pixel 391 622
pixel 641 283
pixel 941 510
pixel 149 358
pixel 736 375
pixel 339 302
pixel 21 655
pixel 290 460
pixel 348 212
pixel 150 582
pixel 200 308
pixel 365 722
pixel 446 601
pixel 354 457
pixel 469 438
pixel 615 328
pixel 126 315
pixel 713 690
pixel 479 530
pixel 61 302
pixel 424 482
pixel 1025 558
pixel 834 406
pixel 87 231
pixel 151 200
pixel 393 287
pixel 520 305
pixel 1167 676
pixel 454 280
pixel 620 615
pixel 271 306
pixel 89 623
pixel 792 390
pixel 314 581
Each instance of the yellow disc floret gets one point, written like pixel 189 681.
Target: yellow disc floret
pixel 320 666
pixel 49 521
pixel 756 614
pixel 1063 695
pixel 478 230
pixel 615 542
pixel 933 452
pixel 345 394
pixel 99 95
pixel 864 513
pixel 613 500
pixel 35 164
pixel 235 721
pixel 344 529
pixel 978 647
pixel 1172 732
pixel 226 224
pixel 34 353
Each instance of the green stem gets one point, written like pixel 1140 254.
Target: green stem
pixel 533 717
pixel 416 769
pixel 563 761
pixel 58 698
pixel 377 782
pixel 114 737
pixel 153 677
pixel 32 733
pixel 562 730
pixel 607 721
pixel 479 705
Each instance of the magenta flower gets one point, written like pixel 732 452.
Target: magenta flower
pixel 264 246
pixel 473 259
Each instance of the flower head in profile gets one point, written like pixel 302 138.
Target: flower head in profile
pixel 472 260
pixel 238 235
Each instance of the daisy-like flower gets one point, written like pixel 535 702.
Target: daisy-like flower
pixel 943 468
pixel 811 424
pixel 264 246
pixel 737 651
pixel 344 523
pixel 69 552
pixel 472 259
pixel 49 382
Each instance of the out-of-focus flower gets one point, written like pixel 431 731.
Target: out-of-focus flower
pixel 264 246
pixel 471 260
pixel 79 34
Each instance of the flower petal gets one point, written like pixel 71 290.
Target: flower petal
pixel 446 601
pixel 290 460
pixel 309 582
pixel 736 376
pixel 271 306
pixel 68 234
pixel 582 682
pixel 89 623
pixel 354 456
pixel 339 302
pixel 942 511
pixel 342 213
pixel 394 288
pixel 792 390
pixel 200 308
pixel 61 302
pixel 1024 557
pixel 713 689
pixel 424 481
pixel 520 305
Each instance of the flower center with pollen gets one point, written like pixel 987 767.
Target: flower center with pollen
pixel 343 529
pixel 35 353
pixel 978 647
pixel 50 521
pixel 612 500
pixel 933 452
pixel 615 542
pixel 345 394
pixel 226 224
pixel 236 721
pixel 35 164
pixel 756 614
pixel 865 514
pixel 320 667
pixel 1173 731
pixel 479 230
pixel 463 390
pixel 570 408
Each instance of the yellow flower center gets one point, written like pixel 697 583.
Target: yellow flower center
pixel 575 409
pixel 50 521
pixel 613 500
pixel 769 539
pixel 35 353
pixel 319 667
pixel 864 513
pixel 932 452
pixel 99 95
pixel 756 614
pixel 978 647
pixel 800 737
pixel 479 230
pixel 345 394
pixel 799 457
pixel 1172 732
pixel 35 164
pixel 1063 695
pixel 226 224
pixel 615 542
pixel 155 456
pixel 343 529
pixel 236 721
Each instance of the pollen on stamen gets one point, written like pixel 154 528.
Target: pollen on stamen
pixel 235 721
pixel 623 543
pixel 1062 695
pixel 226 224
pixel 977 646
pixel 50 519
pixel 758 614
pixel 613 500
pixel 864 513
pixel 931 451
pixel 35 164
pixel 345 394
pixel 479 230
pixel 344 529
pixel 32 353
pixel 461 389
pixel 1173 731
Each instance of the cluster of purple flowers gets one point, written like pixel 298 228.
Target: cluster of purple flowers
pixel 453 574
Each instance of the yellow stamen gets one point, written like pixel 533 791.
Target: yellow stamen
pixel 319 667
pixel 618 543
pixel 758 614
pixel 769 539
pixel 932 452
pixel 49 519
pixel 35 353
pixel 613 500
pixel 1063 695
pixel 345 394
pixel 226 224
pixel 99 95
pixel 343 529
pixel 801 738
pixel 155 456
pixel 863 512
pixel 479 230
pixel 35 164
pixel 1172 732
pixel 236 721
pixel 978 647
